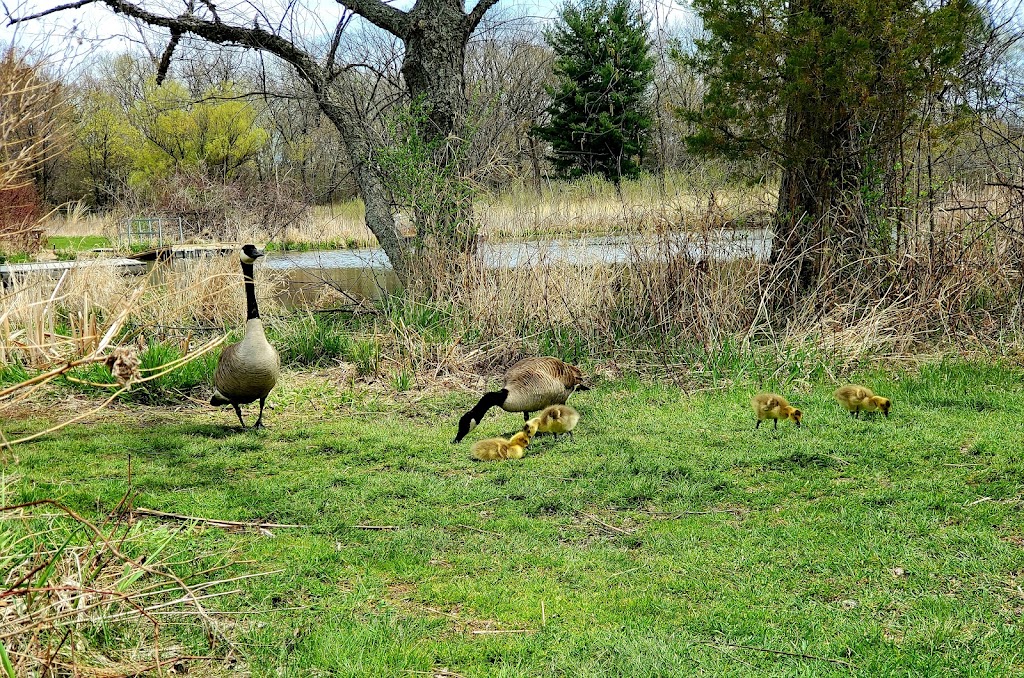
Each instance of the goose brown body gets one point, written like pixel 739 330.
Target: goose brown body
pixel 774 406
pixel 247 371
pixel 557 419
pixel 529 385
pixel 856 399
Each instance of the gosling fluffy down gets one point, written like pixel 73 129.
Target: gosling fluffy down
pixel 857 399
pixel 557 419
pixel 492 449
pixel 774 406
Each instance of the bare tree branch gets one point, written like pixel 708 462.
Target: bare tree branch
pixel 165 58
pixel 478 13
pixel 392 20
pixel 53 10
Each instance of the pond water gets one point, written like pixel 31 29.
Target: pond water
pixel 366 272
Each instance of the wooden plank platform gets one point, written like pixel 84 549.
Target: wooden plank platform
pixel 57 268
pixel 186 251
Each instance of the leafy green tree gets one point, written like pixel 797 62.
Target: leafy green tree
pixel 218 134
pixel 825 89
pixel 105 146
pixel 599 113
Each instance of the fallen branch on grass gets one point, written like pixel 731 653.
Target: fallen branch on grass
pixel 799 655
pixel 256 525
pixel 485 632
pixel 606 525
pixel 374 527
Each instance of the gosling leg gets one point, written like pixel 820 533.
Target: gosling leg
pixel 776 425
pixel 757 425
pixel 238 411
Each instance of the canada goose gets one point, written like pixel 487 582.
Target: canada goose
pixel 530 385
pixel 557 419
pixel 499 448
pixel 247 371
pixel 857 399
pixel 774 406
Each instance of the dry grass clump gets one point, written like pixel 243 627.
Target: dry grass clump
pixel 85 599
pixel 48 320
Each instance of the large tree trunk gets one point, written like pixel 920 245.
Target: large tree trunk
pixel 380 216
pixel 434 71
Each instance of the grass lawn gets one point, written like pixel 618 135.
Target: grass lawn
pixel 77 243
pixel 662 538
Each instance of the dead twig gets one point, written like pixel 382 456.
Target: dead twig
pixel 486 632
pixel 477 529
pixel 374 527
pixel 604 524
pixel 785 653
pixel 140 511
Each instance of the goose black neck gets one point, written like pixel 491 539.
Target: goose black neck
pixel 251 310
pixel 489 400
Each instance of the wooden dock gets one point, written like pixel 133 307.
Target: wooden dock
pixel 55 269
pixel 196 251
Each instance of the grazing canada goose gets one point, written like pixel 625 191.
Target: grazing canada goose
pixel 774 406
pixel 499 448
pixel 530 385
pixel 557 419
pixel 857 399
pixel 247 371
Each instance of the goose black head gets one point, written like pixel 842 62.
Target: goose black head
pixel 250 253
pixel 467 423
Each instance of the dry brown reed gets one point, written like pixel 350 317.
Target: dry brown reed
pixel 94 599
pixel 690 285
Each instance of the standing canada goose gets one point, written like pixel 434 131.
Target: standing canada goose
pixel 557 419
pixel 857 399
pixel 530 385
pixel 774 406
pixel 499 448
pixel 247 371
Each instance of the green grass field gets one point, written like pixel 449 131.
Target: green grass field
pixel 668 539
pixel 77 243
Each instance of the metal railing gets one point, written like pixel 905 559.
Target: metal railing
pixel 158 230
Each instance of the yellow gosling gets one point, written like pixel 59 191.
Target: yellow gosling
pixel 774 406
pixel 557 419
pixel 857 399
pixel 493 449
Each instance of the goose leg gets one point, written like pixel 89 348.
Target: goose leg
pixel 259 421
pixel 526 416
pixel 238 411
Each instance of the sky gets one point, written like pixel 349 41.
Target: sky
pixel 70 37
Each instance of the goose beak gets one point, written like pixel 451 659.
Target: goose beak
pixel 260 253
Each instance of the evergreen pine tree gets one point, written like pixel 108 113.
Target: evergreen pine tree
pixel 599 114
